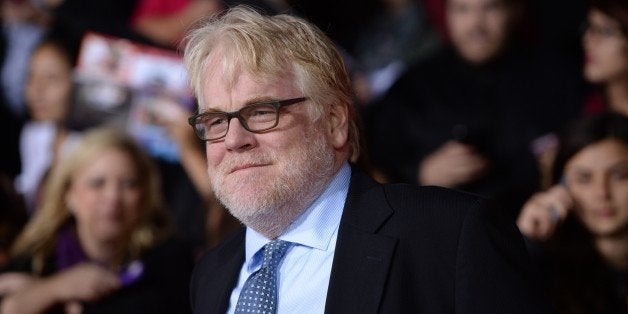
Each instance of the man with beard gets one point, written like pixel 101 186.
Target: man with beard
pixel 276 114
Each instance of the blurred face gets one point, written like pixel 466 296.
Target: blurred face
pixel 597 178
pixel 105 198
pixel 49 85
pixel 478 28
pixel 272 175
pixel 606 49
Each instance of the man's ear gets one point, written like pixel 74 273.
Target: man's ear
pixel 338 125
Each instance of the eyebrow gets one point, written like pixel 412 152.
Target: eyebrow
pixel 615 166
pixel 620 164
pixel 252 101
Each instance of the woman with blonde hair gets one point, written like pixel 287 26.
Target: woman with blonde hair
pixel 101 239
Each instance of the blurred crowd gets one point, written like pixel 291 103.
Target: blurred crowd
pixel 522 101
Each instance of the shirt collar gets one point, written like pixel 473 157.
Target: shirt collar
pixel 318 223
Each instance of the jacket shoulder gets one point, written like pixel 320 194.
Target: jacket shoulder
pixel 404 197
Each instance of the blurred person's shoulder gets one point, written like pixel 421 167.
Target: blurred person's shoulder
pixel 419 83
pixel 440 64
pixel 172 250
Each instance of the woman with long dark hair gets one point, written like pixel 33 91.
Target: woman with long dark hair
pixel 582 221
pixel 605 45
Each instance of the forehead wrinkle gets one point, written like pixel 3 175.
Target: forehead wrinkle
pixel 262 93
pixel 226 67
pixel 219 68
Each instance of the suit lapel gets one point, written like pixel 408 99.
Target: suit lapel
pixel 220 281
pixel 362 257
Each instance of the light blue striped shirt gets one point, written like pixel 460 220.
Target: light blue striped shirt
pixel 303 276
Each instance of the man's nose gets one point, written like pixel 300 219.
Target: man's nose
pixel 238 138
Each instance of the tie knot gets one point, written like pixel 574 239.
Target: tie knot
pixel 259 293
pixel 274 252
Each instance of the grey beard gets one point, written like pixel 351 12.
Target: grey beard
pixel 279 205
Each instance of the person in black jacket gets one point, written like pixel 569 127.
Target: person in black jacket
pixel 467 118
pixel 319 235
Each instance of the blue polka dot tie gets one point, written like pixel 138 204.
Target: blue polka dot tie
pixel 259 294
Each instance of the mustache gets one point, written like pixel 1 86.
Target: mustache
pixel 234 162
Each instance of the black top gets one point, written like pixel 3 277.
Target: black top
pixel 576 276
pixel 499 108
pixel 163 288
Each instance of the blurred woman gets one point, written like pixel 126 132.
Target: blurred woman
pixel 605 68
pixel 583 221
pixel 606 56
pixel 48 95
pixel 101 240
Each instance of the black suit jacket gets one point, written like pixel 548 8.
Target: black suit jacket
pixel 403 249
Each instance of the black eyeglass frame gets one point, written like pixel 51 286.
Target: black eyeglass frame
pixel 277 104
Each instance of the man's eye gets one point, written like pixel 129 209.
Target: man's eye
pixel 217 121
pixel 261 112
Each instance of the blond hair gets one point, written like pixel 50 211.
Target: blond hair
pixel 272 46
pixel 38 239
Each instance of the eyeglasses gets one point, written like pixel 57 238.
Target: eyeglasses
pixel 256 118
